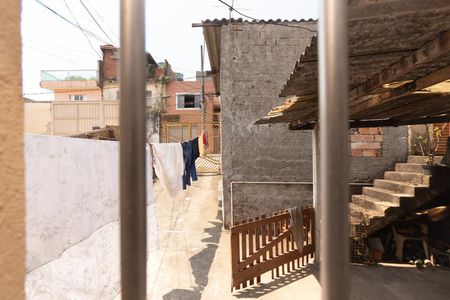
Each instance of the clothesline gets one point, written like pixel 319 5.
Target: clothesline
pixel 174 163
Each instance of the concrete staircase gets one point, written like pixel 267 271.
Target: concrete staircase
pixel 401 191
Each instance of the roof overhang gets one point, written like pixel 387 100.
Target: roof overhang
pixel 397 51
pixel 212 31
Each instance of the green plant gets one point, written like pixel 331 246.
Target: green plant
pixel 429 142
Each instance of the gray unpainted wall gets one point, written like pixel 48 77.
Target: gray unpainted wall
pixel 256 60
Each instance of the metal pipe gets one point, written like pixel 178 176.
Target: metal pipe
pixel 132 77
pixel 334 154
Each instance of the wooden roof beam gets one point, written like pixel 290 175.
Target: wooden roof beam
pixel 380 123
pixel 431 50
pixel 395 93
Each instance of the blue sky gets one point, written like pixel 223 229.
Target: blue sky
pixel 49 43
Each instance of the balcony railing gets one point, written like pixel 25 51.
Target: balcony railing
pixel 69 75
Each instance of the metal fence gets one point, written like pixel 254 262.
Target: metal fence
pixel 70 118
pixel 177 128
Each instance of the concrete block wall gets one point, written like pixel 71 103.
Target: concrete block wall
pixel 256 60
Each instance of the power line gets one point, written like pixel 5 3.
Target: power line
pixel 79 56
pixel 60 48
pixel 257 20
pixel 84 33
pixel 52 55
pixel 71 23
pixel 103 20
pixel 89 12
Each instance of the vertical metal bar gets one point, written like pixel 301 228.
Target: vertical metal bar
pixel 203 88
pixel 133 239
pixel 316 189
pixel 334 161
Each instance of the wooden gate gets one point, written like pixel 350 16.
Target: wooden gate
pixel 267 244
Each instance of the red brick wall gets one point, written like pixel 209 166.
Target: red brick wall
pixel 174 87
pixel 442 147
pixel 110 63
pixel 367 142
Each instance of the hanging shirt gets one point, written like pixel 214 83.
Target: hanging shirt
pixel 190 154
pixel 205 139
pixel 169 166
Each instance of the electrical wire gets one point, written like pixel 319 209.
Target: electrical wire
pixel 81 58
pixel 84 33
pixel 70 22
pixel 53 55
pixel 258 20
pixel 93 18
pixel 103 20
pixel 60 48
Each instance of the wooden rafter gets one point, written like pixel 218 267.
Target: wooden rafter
pixel 380 123
pixel 431 50
pixel 395 93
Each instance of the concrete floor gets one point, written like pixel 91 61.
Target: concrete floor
pixel 193 261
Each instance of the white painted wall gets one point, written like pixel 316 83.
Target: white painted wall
pixel 72 191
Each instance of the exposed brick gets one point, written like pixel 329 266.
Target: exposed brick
pixel 357 152
pixel 370 153
pixel 364 130
pixel 375 130
pixel 378 138
pixel 362 138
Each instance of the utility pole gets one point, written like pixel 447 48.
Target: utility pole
pixel 231 8
pixel 202 94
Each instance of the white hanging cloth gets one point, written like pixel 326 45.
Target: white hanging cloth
pixel 169 166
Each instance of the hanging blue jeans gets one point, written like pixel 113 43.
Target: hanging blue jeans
pixel 190 154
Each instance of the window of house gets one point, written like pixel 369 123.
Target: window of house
pixel 188 101
pixel 148 98
pixel 77 97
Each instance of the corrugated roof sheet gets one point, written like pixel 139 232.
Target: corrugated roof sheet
pixel 225 21
pixel 398 41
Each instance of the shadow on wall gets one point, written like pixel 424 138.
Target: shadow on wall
pixel 201 263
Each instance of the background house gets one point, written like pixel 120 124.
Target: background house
pixel 182 117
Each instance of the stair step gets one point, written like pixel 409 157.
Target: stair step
pixel 416 159
pixel 396 186
pixel 409 168
pixel 406 177
pixel 371 204
pixel 385 195
pixel 359 214
pixel 419 159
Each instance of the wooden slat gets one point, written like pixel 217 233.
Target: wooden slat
pixel 271 264
pixel 269 247
pixel 256 223
pixel 261 252
pixel 234 257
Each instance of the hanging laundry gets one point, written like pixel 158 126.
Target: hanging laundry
pixel 296 226
pixel 205 139
pixel 200 146
pixel 169 166
pixel 190 154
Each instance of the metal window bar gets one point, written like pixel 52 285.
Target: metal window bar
pixel 132 80
pixel 333 156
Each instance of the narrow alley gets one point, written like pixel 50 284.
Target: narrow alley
pixel 193 259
